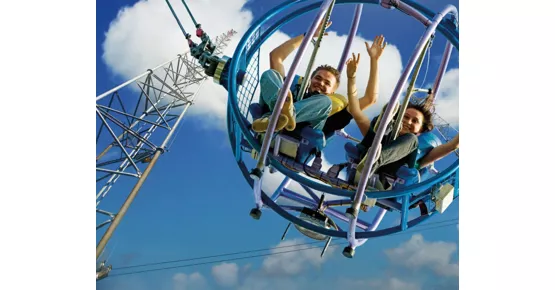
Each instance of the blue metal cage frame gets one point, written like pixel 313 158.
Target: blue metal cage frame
pixel 247 52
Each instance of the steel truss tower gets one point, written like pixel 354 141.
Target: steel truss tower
pixel 136 124
pixel 445 130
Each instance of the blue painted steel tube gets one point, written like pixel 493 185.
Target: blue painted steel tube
pixel 443 27
pixel 291 195
pixel 190 14
pixel 337 202
pixel 311 193
pixel 306 77
pixel 176 19
pixel 442 68
pixel 352 33
pixel 280 188
pixel 373 226
pixel 377 219
pixel 404 212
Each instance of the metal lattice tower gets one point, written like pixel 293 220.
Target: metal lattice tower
pixel 445 130
pixel 135 125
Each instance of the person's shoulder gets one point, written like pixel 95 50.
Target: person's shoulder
pixel 339 103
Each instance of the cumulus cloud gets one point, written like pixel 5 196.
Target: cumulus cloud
pixel 417 253
pixel 447 99
pixel 393 284
pixel 281 270
pixel 146 34
pixel 194 281
pixel 258 281
pixel 226 274
pixel 380 284
pixel 294 262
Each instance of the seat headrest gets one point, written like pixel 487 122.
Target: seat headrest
pixel 426 142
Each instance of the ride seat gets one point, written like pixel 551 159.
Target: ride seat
pixel 298 144
pixel 426 142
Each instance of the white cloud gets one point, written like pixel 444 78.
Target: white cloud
pixel 293 262
pixel 226 274
pixel 278 271
pixel 417 253
pixel 391 283
pixel 447 100
pixel 146 35
pixel 259 281
pixel 194 281
pixel 246 268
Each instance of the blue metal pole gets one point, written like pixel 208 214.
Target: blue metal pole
pixel 352 33
pixel 190 14
pixel 176 19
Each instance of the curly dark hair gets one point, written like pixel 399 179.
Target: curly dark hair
pixel 427 108
pixel 330 69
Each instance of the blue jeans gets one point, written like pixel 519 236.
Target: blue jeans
pixel 314 110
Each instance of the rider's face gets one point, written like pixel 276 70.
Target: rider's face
pixel 413 120
pixel 323 82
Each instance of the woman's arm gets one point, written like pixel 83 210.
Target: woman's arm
pixel 372 88
pixel 362 121
pixel 440 152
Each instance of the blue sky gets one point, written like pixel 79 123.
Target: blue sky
pixel 195 202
